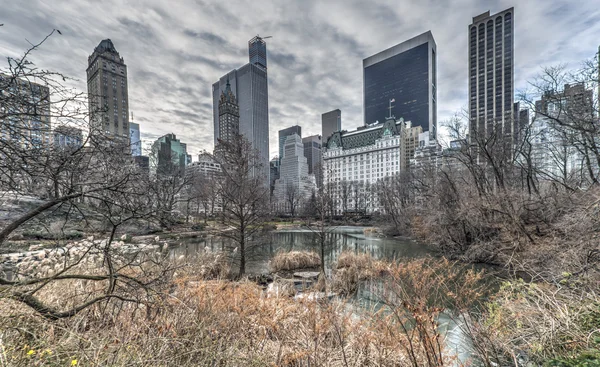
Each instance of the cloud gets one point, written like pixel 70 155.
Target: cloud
pixel 174 51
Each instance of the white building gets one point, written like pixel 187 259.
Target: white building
pixel 293 172
pixel 354 161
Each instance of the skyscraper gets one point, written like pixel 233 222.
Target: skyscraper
pixel 312 151
pixel 249 85
pixel 293 170
pixel 283 134
pixel 257 51
pixel 107 89
pixel 229 115
pixel 405 73
pixel 491 73
pixel 330 122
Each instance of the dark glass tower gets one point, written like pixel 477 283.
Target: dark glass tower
pixel 257 50
pixel 405 73
pixel 491 74
pixel 331 122
pixel 249 85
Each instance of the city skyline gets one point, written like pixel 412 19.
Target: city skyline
pixel 165 47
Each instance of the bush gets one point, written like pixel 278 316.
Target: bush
pixel 295 260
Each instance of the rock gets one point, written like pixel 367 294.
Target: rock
pixel 156 239
pixel 90 238
pixel 310 275
pixel 35 247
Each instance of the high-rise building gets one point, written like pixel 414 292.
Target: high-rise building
pixel 24 112
pixel 312 152
pixel 169 156
pixel 257 52
pixel 491 74
pixel 293 171
pixel 249 85
pixel 107 90
pixel 229 115
pixel 406 74
pixel 283 134
pixel 135 140
pixel 331 122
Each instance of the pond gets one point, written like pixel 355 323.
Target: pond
pixel 341 239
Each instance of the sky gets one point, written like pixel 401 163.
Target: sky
pixel 175 50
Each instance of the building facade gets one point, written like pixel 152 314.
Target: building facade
pixel 293 172
pixel 229 115
pixel 313 151
pixel 556 149
pixel 135 139
pixel 354 161
pixel 24 113
pixel 169 156
pixel 283 134
pixel 491 74
pixel 107 91
pixel 331 122
pixel 68 137
pixel 406 73
pixel 250 87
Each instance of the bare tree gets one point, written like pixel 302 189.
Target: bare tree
pixel 76 183
pixel 293 198
pixel 244 195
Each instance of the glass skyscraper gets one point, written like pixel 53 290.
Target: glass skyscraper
pixel 405 73
pixel 250 87
pixel 491 69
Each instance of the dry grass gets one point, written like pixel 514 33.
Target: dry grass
pixel 198 322
pixel 351 268
pixel 294 260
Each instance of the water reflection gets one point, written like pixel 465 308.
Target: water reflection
pixel 339 239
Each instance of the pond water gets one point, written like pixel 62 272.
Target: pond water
pixel 341 239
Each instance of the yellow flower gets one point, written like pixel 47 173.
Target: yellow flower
pixel 74 362
pixel 31 352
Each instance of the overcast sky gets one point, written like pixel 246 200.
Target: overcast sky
pixel 175 50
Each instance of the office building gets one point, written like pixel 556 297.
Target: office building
pixel 293 172
pixel 107 90
pixel 491 75
pixel 169 156
pixel 356 160
pixel 331 122
pixel 312 152
pixel 24 113
pixel 229 115
pixel 250 88
pixel 135 140
pixel 406 74
pixel 206 166
pixel 67 137
pixel 283 134
pixel 556 149
pixel 143 163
